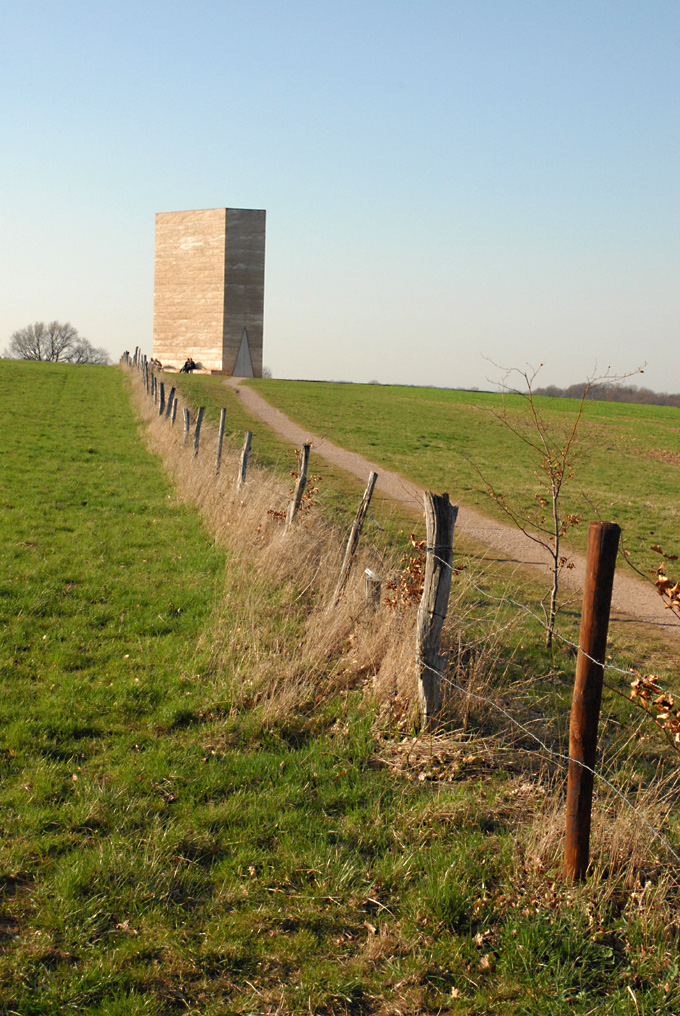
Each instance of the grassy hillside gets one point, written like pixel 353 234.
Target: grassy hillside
pixel 627 465
pixel 168 845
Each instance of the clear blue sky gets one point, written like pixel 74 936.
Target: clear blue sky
pixel 444 180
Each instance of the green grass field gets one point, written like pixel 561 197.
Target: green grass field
pixel 163 849
pixel 627 466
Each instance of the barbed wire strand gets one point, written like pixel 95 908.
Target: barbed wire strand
pixel 555 754
pixel 537 617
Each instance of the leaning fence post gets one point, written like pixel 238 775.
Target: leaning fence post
pixel 353 541
pixel 440 517
pixel 243 463
pixel 161 405
pixel 220 439
pixel 197 428
pixel 603 544
pixel 171 396
pixel 173 414
pixel 187 424
pixel 303 461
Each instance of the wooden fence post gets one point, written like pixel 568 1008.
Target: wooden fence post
pixel 173 414
pixel 603 544
pixel 197 428
pixel 161 405
pixel 243 464
pixel 303 461
pixel 440 517
pixel 171 397
pixel 353 541
pixel 220 439
pixel 187 424
pixel 372 588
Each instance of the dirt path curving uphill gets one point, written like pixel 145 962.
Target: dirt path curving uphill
pixel 633 600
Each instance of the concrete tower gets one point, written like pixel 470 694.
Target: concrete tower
pixel 209 289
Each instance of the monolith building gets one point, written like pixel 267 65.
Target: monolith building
pixel 209 289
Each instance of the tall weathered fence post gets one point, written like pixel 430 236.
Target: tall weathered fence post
pixel 603 544
pixel 353 541
pixel 161 404
pixel 303 461
pixel 187 424
pixel 220 439
pixel 243 463
pixel 171 397
pixel 440 517
pixel 197 428
pixel 173 414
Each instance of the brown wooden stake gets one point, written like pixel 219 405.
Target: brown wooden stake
pixel 440 517
pixel 187 424
pixel 220 439
pixel 173 414
pixel 303 461
pixel 603 543
pixel 161 406
pixel 353 541
pixel 197 428
pixel 243 464
pixel 171 398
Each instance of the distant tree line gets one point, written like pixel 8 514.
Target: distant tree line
pixel 55 342
pixel 606 392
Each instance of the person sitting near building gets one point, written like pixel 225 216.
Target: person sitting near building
pixel 188 366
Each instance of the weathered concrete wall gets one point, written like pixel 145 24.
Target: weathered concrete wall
pixel 244 285
pixel 209 287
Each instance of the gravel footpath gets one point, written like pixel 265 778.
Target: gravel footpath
pixel 633 599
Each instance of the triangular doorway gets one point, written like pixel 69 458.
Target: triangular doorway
pixel 244 365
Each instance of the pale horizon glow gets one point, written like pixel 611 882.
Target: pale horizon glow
pixel 446 184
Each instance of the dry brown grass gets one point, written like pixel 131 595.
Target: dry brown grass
pixel 318 650
pixel 310 651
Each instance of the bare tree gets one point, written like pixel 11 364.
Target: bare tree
pixel 550 444
pixel 83 351
pixel 53 342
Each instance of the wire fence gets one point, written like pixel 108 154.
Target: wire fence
pixel 561 757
